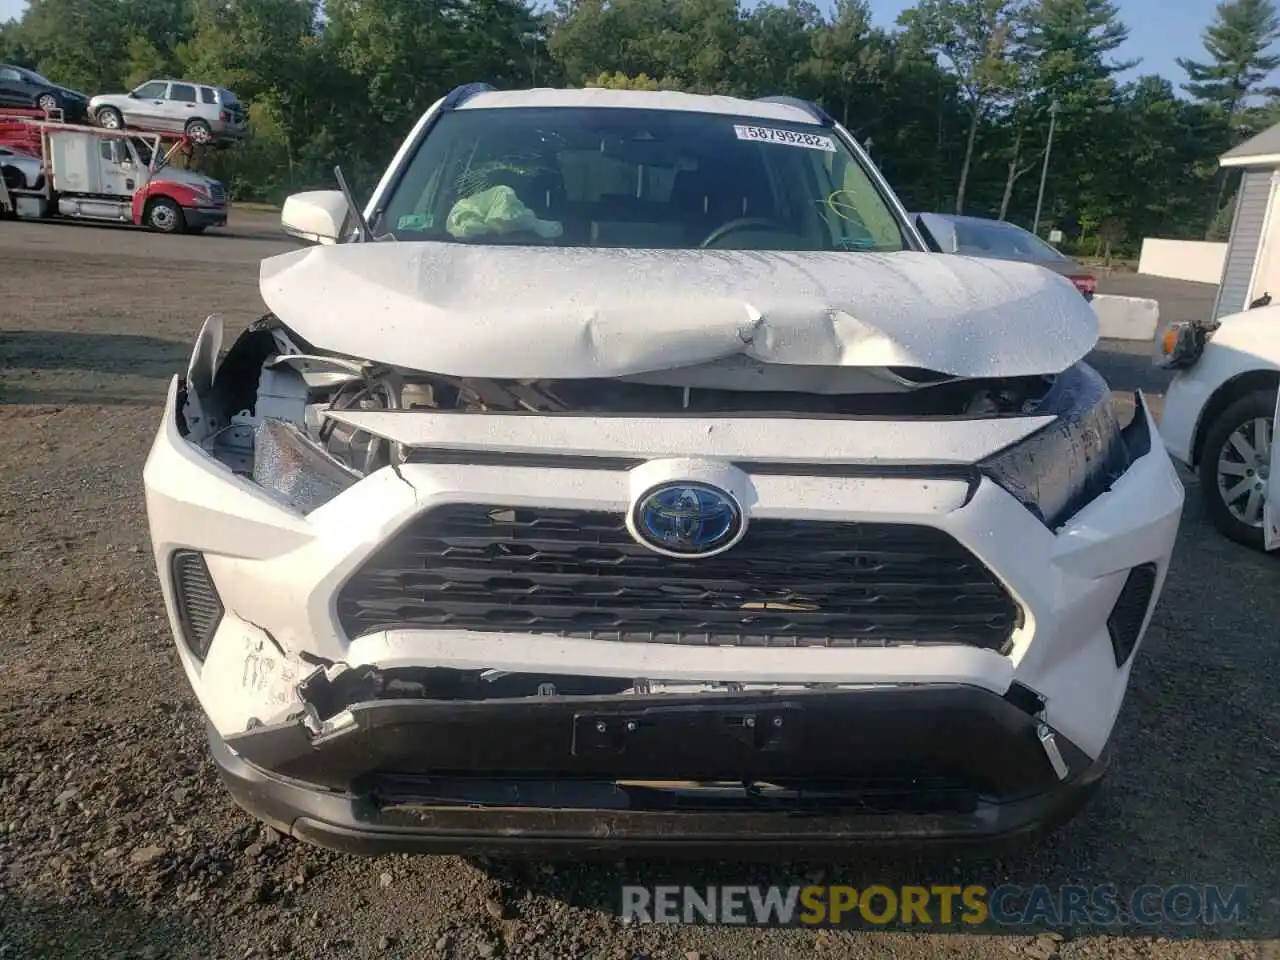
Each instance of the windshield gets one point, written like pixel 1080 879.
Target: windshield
pixel 32 75
pixel 621 177
pixel 996 239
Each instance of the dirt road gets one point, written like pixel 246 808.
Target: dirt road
pixel 117 841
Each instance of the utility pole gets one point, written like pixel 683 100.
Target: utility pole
pixel 1044 171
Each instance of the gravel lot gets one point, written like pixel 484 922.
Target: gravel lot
pixel 117 841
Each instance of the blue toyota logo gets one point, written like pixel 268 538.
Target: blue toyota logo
pixel 687 519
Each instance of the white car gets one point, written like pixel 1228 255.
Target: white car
pixel 20 170
pixel 629 475
pixel 1219 418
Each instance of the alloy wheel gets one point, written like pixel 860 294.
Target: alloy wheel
pixel 1244 466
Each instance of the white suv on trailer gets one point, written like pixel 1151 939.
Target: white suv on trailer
pixel 628 474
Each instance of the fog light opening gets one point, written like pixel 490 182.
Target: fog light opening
pixel 1130 611
pixel 199 606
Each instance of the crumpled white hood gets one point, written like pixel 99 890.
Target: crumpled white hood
pixel 530 312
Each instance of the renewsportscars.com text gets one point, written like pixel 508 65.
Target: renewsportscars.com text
pixel 974 904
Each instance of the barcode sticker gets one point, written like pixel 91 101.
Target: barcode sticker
pixel 812 141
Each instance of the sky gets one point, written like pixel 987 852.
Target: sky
pixel 1159 30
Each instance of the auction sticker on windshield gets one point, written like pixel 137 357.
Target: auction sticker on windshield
pixel 813 141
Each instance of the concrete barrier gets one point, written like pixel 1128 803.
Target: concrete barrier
pixel 1126 318
pixel 1195 260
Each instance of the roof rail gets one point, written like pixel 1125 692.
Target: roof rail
pixel 460 95
pixel 808 106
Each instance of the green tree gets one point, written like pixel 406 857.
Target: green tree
pixel 1238 42
pixel 620 81
pixel 79 43
pixel 690 43
pixel 346 87
pixel 847 65
pixel 1069 47
pixel 975 39
pixel 777 41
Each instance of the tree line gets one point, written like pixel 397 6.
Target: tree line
pixel 953 103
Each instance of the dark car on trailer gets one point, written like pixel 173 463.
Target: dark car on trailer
pixel 26 89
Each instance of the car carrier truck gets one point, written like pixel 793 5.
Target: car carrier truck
pixel 112 176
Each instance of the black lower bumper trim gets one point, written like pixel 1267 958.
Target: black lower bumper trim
pixel 357 825
pixel 392 780
pixel 205 216
pixel 939 732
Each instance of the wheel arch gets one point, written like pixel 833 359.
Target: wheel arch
pixel 139 205
pixel 1228 393
pixel 161 196
pixel 201 122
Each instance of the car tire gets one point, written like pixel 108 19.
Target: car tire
pixel 199 131
pixel 47 102
pixel 13 178
pixel 164 216
pixel 1238 424
pixel 109 118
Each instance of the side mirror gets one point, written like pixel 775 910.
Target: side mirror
pixel 133 94
pixel 316 216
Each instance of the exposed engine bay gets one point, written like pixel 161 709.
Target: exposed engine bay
pixel 271 377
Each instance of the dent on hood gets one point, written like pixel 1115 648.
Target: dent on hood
pixel 557 312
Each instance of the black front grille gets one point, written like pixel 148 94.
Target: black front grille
pixel 199 607
pixel 575 573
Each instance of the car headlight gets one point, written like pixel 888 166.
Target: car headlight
pixel 287 463
pixel 1179 344
pixel 1062 467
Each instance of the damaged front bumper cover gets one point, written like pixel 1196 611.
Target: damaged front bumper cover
pixel 799 773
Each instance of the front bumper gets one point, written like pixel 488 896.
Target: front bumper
pixel 362 770
pixel 595 775
pixel 205 216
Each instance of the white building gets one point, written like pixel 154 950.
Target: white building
pixel 1252 266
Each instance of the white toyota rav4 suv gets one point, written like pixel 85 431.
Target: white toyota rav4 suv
pixel 628 474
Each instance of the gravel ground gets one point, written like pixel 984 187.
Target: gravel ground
pixel 117 841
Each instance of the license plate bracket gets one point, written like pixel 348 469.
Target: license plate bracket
pixel 756 726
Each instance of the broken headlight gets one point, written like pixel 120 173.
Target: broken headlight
pixel 1179 345
pixel 309 467
pixel 290 465
pixel 1062 467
